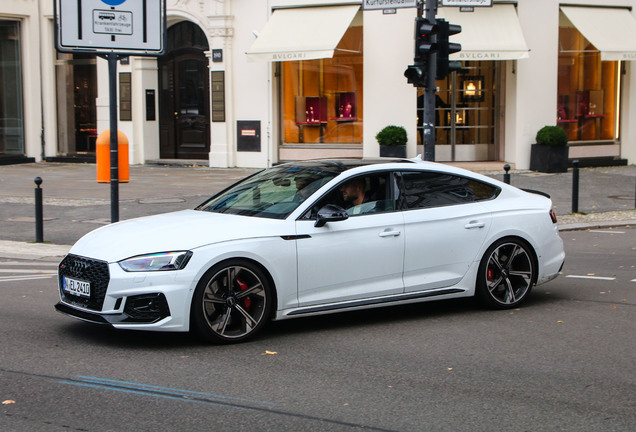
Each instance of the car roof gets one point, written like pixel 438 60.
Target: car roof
pixel 355 166
pixel 341 165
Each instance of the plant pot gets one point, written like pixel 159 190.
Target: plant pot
pixel 398 151
pixel 549 159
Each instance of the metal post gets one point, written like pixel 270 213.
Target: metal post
pixel 428 123
pixel 507 174
pixel 114 159
pixel 39 219
pixel 575 186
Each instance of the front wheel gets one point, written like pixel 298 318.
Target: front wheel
pixel 506 274
pixel 231 303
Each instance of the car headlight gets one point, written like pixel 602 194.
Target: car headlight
pixel 164 261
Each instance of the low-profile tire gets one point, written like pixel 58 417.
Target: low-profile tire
pixel 232 302
pixel 506 274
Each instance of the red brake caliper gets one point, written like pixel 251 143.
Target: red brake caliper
pixel 247 302
pixel 490 274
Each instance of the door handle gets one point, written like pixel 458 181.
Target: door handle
pixel 388 233
pixel 474 224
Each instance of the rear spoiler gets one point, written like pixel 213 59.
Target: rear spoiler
pixel 536 192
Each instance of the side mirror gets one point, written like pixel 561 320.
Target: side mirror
pixel 330 213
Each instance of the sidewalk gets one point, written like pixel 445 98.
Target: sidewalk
pixel 74 203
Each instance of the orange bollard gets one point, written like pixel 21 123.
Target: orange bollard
pixel 102 148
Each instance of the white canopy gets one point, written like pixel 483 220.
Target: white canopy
pixel 302 33
pixel 611 30
pixel 488 33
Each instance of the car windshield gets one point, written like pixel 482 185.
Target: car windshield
pixel 273 193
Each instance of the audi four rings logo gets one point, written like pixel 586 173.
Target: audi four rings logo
pixel 78 267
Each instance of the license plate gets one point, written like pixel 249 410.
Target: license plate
pixel 77 287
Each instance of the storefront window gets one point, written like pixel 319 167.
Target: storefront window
pixel 588 89
pixel 11 112
pixel 322 99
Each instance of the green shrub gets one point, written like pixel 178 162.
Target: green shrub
pixel 552 136
pixel 392 136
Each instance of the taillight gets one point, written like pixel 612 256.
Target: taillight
pixel 553 216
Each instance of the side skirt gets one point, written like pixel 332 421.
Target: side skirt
pixel 381 301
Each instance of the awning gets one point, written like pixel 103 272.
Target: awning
pixel 488 33
pixel 302 33
pixel 611 30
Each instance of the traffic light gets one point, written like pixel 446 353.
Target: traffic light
pixel 416 74
pixel 424 39
pixel 424 46
pixel 445 48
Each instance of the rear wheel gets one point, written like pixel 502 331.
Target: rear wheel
pixel 232 302
pixel 506 274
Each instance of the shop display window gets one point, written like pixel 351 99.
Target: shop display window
pixel 311 110
pixel 345 106
pixel 588 89
pixel 322 99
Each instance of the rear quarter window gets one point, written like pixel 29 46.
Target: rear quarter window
pixel 433 189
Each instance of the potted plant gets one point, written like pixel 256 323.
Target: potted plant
pixel 392 140
pixel 550 153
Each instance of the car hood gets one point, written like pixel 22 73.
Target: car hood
pixel 182 230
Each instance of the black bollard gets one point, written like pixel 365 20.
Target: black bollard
pixel 507 174
pixel 39 219
pixel 575 186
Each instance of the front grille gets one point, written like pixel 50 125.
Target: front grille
pixel 87 270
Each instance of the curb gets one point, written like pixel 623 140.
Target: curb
pixel 596 225
pixel 22 250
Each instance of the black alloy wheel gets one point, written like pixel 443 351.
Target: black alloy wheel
pixel 506 274
pixel 232 302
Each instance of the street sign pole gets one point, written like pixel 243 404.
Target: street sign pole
pixel 114 142
pixel 428 123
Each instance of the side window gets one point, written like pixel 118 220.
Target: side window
pixel 433 189
pixel 367 194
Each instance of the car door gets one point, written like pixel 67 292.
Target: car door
pixel 356 258
pixel 445 226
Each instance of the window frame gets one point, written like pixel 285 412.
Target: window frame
pixel 311 212
pixel 402 204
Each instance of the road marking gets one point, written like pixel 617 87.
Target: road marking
pixel 31 271
pixel 23 278
pixel 29 264
pixel 591 277
pixel 167 392
pixel 607 232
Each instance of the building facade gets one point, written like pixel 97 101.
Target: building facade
pixel 251 83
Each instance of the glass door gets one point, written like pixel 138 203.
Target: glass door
pixel 466 113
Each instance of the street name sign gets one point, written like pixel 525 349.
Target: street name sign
pixel 127 27
pixel 387 4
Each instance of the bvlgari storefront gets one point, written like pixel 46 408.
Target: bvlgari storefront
pixel 302 79
pixel 470 103
pixel 591 63
pixel 321 78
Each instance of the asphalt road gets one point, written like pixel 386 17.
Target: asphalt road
pixel 564 361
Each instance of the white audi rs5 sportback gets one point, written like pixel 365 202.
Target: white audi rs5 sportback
pixel 315 237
